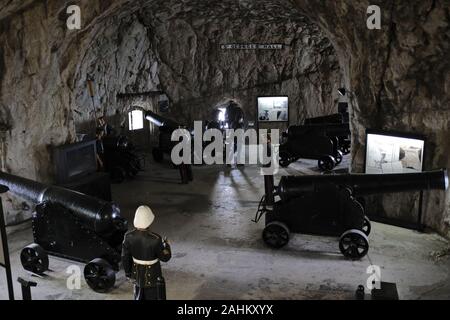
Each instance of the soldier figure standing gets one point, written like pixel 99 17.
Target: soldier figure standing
pixel 142 251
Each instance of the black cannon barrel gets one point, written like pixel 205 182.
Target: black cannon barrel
pixel 161 121
pixel 364 184
pixel 329 129
pixel 332 118
pixel 98 215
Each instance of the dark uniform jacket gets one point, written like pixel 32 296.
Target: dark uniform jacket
pixel 144 246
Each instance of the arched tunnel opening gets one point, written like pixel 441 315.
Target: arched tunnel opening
pixel 100 107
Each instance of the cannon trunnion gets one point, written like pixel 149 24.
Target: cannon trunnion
pixel 330 205
pixel 73 226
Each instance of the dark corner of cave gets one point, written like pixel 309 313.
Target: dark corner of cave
pixel 224 150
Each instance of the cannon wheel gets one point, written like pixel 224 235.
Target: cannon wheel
pixel 284 159
pixel 326 163
pixel 354 244
pixel 132 171
pixel 117 174
pixel 158 155
pixel 345 149
pixel 276 234
pixel 99 275
pixel 34 259
pixel 366 226
pixel 338 157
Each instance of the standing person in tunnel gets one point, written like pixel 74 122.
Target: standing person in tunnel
pixel 107 128
pixel 142 251
pixel 234 118
pixel 100 155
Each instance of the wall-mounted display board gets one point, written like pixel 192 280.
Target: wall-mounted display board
pixel 273 109
pixel 388 152
pixel 4 253
pixel 392 152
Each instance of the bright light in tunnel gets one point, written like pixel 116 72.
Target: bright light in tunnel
pixel 135 120
pixel 221 114
pixel 446 180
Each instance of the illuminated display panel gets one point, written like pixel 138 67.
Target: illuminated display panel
pixel 390 153
pixel 273 109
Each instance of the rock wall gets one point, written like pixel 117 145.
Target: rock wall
pixel 33 104
pixel 197 73
pixel 401 81
pixel 120 59
pixel 182 56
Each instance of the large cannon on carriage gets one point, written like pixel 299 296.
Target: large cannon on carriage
pixel 315 141
pixel 120 158
pixel 331 205
pixel 166 128
pixel 343 137
pixel 73 226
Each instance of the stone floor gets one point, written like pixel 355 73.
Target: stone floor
pixel 218 252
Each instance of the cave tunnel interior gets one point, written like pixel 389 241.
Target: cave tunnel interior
pixel 92 108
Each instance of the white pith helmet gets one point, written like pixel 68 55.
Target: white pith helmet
pixel 143 218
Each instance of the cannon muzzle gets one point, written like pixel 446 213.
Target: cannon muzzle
pixel 291 187
pixel 98 215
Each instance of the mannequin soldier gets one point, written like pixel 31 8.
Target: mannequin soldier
pixel 141 252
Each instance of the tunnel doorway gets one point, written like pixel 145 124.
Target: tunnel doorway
pixel 138 130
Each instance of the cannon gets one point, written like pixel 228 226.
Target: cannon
pixel 73 226
pixel 120 158
pixel 166 128
pixel 332 118
pixel 319 142
pixel 337 118
pixel 331 205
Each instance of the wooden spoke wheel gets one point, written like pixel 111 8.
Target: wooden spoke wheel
pixel 285 159
pixel 34 259
pixel 367 227
pixel 326 163
pixel 354 244
pixel 338 157
pixel 99 275
pixel 345 149
pixel 117 174
pixel 276 234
